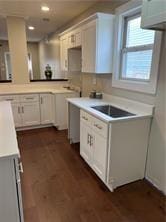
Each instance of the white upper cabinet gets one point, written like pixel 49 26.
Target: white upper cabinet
pixel 93 39
pixel 154 14
pixel 89 48
pixel 74 38
pixel 63 53
pixel 97 45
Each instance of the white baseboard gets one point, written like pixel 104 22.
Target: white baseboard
pixel 34 127
pixel 155 183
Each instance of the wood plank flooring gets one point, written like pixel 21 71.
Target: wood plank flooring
pixel 58 186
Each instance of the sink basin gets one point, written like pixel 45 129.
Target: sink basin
pixel 112 111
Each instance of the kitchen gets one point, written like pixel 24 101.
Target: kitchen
pixel 83 159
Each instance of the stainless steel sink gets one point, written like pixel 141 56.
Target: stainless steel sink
pixel 112 111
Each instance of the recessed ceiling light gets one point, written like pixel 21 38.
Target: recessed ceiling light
pixel 31 27
pixel 45 8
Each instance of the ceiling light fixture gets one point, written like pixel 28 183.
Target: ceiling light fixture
pixel 45 8
pixel 31 28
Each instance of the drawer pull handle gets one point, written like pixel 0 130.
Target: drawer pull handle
pixel 97 126
pixel 29 98
pixel 9 99
pixel 21 170
pixel 88 139
pixel 19 110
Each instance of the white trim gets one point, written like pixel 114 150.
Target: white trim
pixel 139 86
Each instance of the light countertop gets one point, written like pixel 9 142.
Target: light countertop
pixel 28 90
pixel 140 110
pixel 8 139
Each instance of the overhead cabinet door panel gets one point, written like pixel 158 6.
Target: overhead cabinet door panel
pixel 89 48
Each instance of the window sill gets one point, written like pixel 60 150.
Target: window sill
pixel 144 87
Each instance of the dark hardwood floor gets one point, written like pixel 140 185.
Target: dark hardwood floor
pixel 58 186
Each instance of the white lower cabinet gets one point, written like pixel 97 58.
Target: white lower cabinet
pixel 93 146
pixel 85 141
pixel 99 146
pixel 16 114
pixel 115 151
pixel 40 109
pixel 11 209
pixel 30 113
pixel 46 108
pixel 26 109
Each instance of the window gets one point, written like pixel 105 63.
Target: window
pixel 137 50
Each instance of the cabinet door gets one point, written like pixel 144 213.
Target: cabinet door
pixel 30 113
pixel 85 142
pixel 17 114
pixel 89 48
pixel 64 54
pixel 46 108
pixel 99 159
pixel 153 12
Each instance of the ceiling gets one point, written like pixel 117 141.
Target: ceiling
pixel 61 12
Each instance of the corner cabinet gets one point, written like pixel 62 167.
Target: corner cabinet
pixel 154 14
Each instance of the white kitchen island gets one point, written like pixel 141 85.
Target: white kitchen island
pixel 115 148
pixel 11 209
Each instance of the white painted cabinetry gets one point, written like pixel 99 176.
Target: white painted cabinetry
pixel 64 52
pixel 74 38
pixel 30 113
pixel 10 196
pixel 93 144
pixel 33 110
pixel 115 151
pixel 17 114
pixel 26 110
pixel 46 108
pixel 94 39
pixel 154 14
pixel 11 209
pixel 97 45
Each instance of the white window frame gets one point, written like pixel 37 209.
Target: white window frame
pixel 130 9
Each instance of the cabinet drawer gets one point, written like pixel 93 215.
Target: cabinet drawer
pixel 11 98
pixel 99 126
pixel 85 117
pixel 29 98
